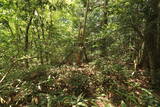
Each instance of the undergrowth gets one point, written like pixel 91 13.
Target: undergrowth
pixel 71 86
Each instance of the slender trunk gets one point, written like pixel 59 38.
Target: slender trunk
pixel 18 40
pixel 27 40
pixel 104 23
pixel 105 12
pixel 40 51
pixel 85 20
pixel 144 59
pixel 10 29
pixel 43 36
pixel 82 36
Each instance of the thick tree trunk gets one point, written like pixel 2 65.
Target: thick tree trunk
pixel 152 41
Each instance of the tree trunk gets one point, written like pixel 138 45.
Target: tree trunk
pixel 27 41
pixel 105 12
pixel 82 35
pixel 144 60
pixel 152 41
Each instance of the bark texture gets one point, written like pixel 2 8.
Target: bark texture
pixel 152 41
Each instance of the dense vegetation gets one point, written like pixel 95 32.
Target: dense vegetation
pixel 79 53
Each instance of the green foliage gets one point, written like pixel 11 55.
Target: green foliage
pixel 55 33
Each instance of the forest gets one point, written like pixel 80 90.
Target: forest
pixel 79 53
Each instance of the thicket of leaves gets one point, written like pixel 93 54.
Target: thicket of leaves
pixel 53 78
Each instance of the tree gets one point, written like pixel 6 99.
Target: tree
pixel 152 40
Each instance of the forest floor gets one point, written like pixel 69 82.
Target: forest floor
pixel 76 86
